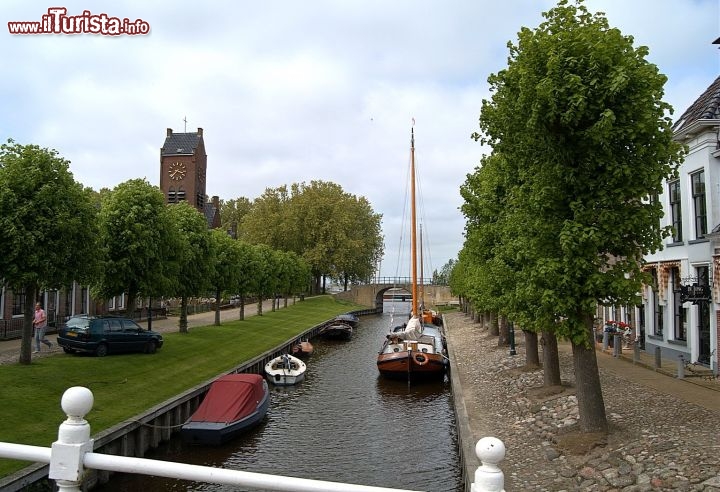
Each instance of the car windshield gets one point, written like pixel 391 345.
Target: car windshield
pixel 76 324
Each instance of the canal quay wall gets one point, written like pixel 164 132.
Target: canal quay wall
pixel 146 431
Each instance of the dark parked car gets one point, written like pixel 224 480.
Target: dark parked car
pixel 102 335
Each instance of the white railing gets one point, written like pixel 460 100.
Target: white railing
pixel 73 452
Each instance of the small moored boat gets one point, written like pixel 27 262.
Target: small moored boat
pixel 338 330
pixel 285 370
pixel 233 404
pixel 348 318
pixel 302 349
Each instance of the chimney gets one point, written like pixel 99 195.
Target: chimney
pixel 169 132
pixel 216 202
pixel 199 132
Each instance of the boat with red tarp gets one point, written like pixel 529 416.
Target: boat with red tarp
pixel 233 404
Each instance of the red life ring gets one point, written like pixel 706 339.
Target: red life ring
pixel 421 359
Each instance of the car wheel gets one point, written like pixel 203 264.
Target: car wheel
pixel 101 350
pixel 150 347
pixel 68 350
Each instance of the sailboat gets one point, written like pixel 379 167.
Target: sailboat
pixel 415 350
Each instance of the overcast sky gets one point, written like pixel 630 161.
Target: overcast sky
pixel 294 91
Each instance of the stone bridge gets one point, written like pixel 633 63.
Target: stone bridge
pixel 371 295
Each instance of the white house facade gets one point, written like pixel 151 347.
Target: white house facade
pixel 680 313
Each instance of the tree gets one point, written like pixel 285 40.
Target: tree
pixel 294 274
pixel 48 224
pixel 267 221
pixel 195 256
pixel 501 240
pixel 247 281
pixel 139 243
pixel 442 277
pixel 267 277
pixel 357 258
pixel 227 266
pixel 579 110
pixel 232 213
pixel 336 233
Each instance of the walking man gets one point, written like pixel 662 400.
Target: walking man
pixel 40 325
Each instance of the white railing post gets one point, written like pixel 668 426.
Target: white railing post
pixel 66 457
pixel 489 477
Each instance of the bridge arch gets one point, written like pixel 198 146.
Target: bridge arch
pixel 371 295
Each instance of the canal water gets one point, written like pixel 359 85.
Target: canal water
pixel 344 423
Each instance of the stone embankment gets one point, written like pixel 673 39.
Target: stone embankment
pixel 657 441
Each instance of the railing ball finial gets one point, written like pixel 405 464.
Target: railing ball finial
pixel 77 402
pixel 489 477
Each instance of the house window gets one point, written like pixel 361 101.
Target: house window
pixel 675 210
pixel 659 320
pixel 698 194
pixel 657 308
pixel 18 303
pixel 681 323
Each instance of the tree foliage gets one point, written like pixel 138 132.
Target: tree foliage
pixel 581 141
pixel 336 233
pixel 232 213
pixel 48 225
pixel 139 243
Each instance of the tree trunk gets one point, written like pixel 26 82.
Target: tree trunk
pixel 242 308
pixel 217 306
pixel 494 328
pixel 587 382
pixel 551 361
pixel 130 306
pixel 259 308
pixel 503 332
pixel 273 303
pixel 183 315
pixel 532 359
pixel 27 331
pixel 285 300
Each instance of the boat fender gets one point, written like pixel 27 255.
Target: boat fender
pixel 421 359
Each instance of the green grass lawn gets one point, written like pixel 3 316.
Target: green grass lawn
pixel 128 384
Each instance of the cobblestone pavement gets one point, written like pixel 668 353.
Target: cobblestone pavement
pixel 657 441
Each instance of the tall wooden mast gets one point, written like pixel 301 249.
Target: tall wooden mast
pixel 412 225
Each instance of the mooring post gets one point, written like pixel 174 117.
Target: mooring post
pixel 66 456
pixel 681 367
pixel 636 352
pixel 617 344
pixel 658 360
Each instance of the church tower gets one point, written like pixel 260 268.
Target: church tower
pixel 183 165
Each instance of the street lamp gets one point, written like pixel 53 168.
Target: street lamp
pixel 511 335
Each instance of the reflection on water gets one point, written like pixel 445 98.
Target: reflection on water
pixel 344 423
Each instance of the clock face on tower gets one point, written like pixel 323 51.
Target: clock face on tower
pixel 177 171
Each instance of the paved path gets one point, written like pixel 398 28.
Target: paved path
pixel 10 349
pixel 663 431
